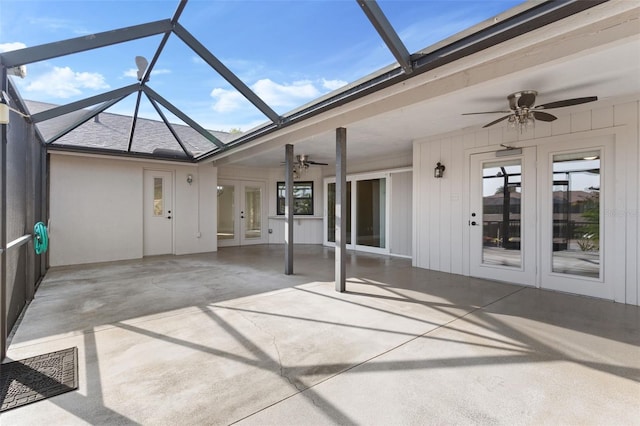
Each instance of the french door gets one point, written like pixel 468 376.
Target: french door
pixel 502 217
pixel 538 218
pixel 241 213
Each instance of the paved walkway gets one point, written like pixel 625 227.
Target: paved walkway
pixel 226 338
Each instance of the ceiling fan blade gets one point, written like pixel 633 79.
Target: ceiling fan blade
pixel 544 116
pixel 315 163
pixel 567 102
pixel 496 121
pixel 487 112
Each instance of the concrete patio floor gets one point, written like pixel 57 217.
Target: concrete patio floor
pixel 226 337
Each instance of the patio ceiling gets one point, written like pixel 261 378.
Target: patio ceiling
pixel 386 131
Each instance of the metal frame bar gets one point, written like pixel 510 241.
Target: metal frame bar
pixel 84 103
pixel 529 20
pixel 341 210
pixel 81 44
pixel 134 119
pixel 169 126
pixel 118 153
pixel 288 210
pixel 88 116
pixel 388 33
pixel 163 42
pixel 182 116
pixel 4 83
pixel 225 72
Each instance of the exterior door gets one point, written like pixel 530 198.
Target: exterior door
pixel 241 213
pixel 577 188
pixel 158 212
pixel 502 217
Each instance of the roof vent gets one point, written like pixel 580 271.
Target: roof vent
pixel 96 119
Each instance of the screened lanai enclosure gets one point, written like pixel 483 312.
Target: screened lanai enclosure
pixel 409 129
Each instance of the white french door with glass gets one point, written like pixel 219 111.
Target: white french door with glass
pixel 577 244
pixel 538 218
pixel 502 217
pixel 241 213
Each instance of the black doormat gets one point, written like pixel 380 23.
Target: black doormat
pixel 39 377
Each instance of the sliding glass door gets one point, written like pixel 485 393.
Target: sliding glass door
pixel 366 213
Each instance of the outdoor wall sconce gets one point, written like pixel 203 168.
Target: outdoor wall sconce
pixel 438 172
pixel 189 179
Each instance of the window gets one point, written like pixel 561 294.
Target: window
pixel 302 198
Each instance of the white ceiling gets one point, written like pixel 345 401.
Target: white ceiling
pixel 610 71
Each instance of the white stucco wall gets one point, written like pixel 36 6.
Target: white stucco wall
pixel 441 205
pixel 96 208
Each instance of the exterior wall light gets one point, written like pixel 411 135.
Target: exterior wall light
pixel 438 172
pixel 189 179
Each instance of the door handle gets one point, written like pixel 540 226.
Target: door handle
pixel 474 223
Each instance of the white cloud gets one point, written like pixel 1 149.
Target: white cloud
pixel 226 100
pixel 7 47
pixel 286 95
pixel 333 84
pixel 63 82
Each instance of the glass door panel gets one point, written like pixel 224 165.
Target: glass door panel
pixel 371 212
pixel 226 212
pixel 252 212
pixel 331 212
pixel 576 214
pixel 501 214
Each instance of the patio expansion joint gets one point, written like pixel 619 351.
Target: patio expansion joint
pixel 444 325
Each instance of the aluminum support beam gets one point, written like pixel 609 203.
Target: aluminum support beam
pixel 81 44
pixel 84 103
pixel 288 210
pixel 341 209
pixel 88 116
pixel 225 72
pixel 182 116
pixel 169 126
pixel 4 86
pixel 163 42
pixel 134 119
pixel 388 33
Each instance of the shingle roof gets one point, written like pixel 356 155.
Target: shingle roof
pixel 111 131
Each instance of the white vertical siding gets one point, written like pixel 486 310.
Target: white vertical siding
pixel 401 212
pixel 440 205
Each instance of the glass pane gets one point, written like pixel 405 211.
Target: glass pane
pixel 252 212
pixel 576 214
pixel 331 212
pixel 501 203
pixel 302 198
pixel 158 208
pixel 371 208
pixel 226 218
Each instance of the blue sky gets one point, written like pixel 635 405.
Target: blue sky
pixel 288 52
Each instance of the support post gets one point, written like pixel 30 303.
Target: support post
pixel 288 210
pixel 3 223
pixel 341 208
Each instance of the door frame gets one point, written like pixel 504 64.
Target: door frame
pixel 526 274
pixel 616 204
pixel 148 173
pixel 238 224
pixel 354 178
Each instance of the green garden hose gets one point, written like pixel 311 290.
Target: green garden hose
pixel 40 238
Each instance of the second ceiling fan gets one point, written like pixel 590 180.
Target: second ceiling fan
pixel 522 108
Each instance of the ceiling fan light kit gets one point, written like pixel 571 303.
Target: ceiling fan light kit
pixel 523 113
